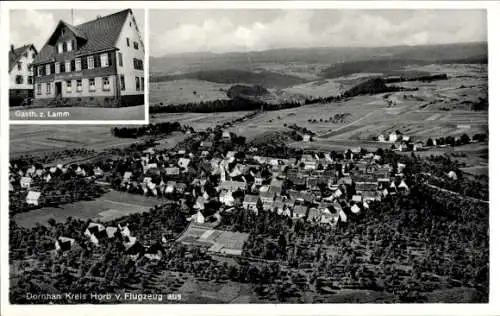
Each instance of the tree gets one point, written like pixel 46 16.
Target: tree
pixel 429 143
pixel 465 139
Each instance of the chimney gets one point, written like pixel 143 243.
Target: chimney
pixel 12 48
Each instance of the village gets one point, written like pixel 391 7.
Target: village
pixel 314 186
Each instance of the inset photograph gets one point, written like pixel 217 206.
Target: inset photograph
pixel 77 65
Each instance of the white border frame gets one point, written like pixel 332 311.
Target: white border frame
pixel 42 5
pixel 492 308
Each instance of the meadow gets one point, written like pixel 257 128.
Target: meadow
pixel 111 205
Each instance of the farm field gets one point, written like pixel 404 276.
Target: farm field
pixel 185 91
pixel 40 139
pixel 109 206
pixel 85 113
pixel 308 71
pixel 407 111
pixel 198 121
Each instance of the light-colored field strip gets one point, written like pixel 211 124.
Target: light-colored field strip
pixel 433 117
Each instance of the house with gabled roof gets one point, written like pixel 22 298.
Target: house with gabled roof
pixel 96 63
pixel 250 202
pixel 21 73
pixel 33 198
pixel 299 211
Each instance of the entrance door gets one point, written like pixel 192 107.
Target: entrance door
pixel 58 89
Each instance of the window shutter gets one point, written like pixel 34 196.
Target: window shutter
pixel 110 59
pixel 84 62
pixel 97 61
pixel 52 68
pixel 73 67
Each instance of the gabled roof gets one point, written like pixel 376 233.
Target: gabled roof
pixel 97 35
pixel 17 53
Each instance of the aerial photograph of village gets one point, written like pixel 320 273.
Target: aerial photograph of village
pixel 291 156
pixel 76 65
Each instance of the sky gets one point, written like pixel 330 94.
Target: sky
pixel 36 26
pixel 219 31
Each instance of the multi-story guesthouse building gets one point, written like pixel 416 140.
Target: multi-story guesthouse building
pixel 97 63
pixel 21 73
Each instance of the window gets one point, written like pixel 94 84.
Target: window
pixel 19 79
pixel 48 90
pixel 39 88
pixel 60 47
pixel 128 42
pixel 130 24
pixel 25 54
pixel 136 45
pixel 142 83
pixel 122 82
pixel 67 66
pixel 137 84
pixel 78 64
pixel 120 59
pixel 39 68
pixel 79 85
pixel 64 46
pixel 69 86
pixel 19 66
pixel 85 64
pixel 58 67
pixel 138 64
pixel 90 61
pixel 105 84
pixel 30 79
pixel 47 69
pixel 33 55
pixel 30 67
pixel 73 66
pixel 92 84
pixel 70 45
pixel 104 60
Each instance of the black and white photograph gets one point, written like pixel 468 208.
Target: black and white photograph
pixel 292 156
pixel 77 65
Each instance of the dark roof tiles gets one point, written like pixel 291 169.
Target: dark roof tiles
pixel 97 35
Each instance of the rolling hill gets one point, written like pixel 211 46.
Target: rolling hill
pixel 193 62
pixel 266 79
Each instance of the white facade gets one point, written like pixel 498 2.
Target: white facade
pixel 21 74
pixel 104 86
pixel 125 56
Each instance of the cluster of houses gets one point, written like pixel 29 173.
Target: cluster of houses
pixel 98 234
pixel 401 142
pixel 28 181
pixel 314 186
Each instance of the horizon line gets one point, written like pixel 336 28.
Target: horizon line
pixel 312 47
